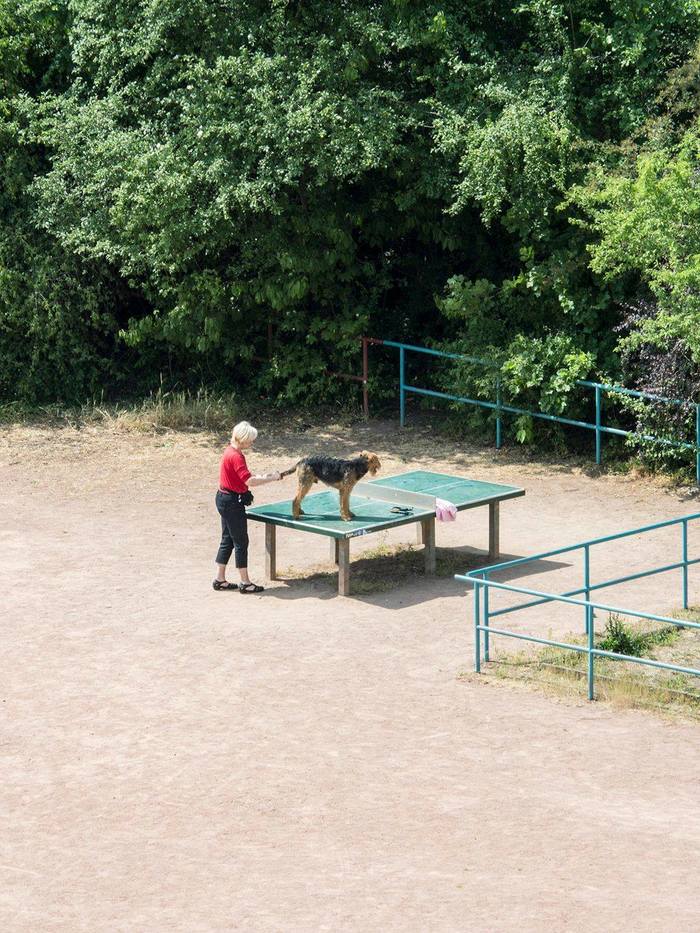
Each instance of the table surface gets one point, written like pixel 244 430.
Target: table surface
pixel 322 509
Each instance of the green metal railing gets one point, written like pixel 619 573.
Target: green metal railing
pixel 483 615
pixel 500 407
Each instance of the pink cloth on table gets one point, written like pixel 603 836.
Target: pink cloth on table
pixel 445 511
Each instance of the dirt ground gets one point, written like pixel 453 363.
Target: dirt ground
pixel 179 759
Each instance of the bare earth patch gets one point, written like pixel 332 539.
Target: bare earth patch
pixel 179 759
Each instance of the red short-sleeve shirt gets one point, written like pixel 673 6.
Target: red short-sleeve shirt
pixel 234 473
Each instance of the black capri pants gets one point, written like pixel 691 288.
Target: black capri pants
pixel 234 528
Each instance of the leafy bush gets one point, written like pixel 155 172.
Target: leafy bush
pixel 541 372
pixel 536 373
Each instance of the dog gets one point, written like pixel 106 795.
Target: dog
pixel 341 474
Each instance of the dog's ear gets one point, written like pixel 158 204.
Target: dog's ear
pixel 365 454
pixel 372 461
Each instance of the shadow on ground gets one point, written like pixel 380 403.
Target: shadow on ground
pixel 394 577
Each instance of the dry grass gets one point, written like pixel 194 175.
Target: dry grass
pixel 384 568
pixel 173 411
pixel 163 410
pixel 625 685
pixel 160 411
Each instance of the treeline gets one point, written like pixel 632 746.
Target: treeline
pixel 188 185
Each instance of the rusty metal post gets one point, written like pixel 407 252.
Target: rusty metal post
pixel 365 375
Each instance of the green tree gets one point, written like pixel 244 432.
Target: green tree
pixel 180 176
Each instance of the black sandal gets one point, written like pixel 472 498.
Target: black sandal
pixel 250 588
pixel 224 585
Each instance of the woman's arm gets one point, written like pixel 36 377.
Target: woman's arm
pixel 262 480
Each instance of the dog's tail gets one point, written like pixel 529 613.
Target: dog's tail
pixel 288 472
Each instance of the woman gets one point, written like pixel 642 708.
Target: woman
pixel 231 499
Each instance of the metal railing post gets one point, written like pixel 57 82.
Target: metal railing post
pixel 498 413
pixel 486 619
pixel 589 630
pixel 684 526
pixel 697 444
pixel 365 378
pixel 477 631
pixel 402 391
pixel 587 578
pixel 597 424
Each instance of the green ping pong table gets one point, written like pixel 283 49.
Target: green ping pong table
pixel 378 505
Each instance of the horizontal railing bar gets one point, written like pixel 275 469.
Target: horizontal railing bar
pixel 594 586
pixel 644 528
pixel 637 576
pixel 591 541
pixel 443 353
pixel 540 641
pixel 582 649
pixel 598 652
pixel 535 602
pixel 511 409
pixel 620 390
pixel 577 602
pixel 658 440
pixel 606 387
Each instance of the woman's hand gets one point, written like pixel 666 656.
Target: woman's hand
pixel 263 478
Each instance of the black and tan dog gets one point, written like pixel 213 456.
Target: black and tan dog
pixel 341 474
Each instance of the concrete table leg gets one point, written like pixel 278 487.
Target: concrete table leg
pixel 494 531
pixel 271 551
pixel 334 550
pixel 428 532
pixel 343 567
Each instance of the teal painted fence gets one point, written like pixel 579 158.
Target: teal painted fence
pixel 483 582
pixel 500 408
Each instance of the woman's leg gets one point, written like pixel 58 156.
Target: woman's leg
pixel 226 546
pixel 238 529
pixel 234 517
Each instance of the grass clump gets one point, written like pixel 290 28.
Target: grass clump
pixel 622 638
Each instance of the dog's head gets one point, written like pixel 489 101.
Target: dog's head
pixel 373 463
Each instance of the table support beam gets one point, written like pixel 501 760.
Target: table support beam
pixel 494 531
pixel 343 567
pixel 271 551
pixel 428 533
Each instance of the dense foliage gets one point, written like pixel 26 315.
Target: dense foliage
pixel 186 186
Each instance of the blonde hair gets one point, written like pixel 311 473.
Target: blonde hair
pixel 243 432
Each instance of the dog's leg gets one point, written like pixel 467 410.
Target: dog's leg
pixel 345 512
pixel 351 483
pixel 304 486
